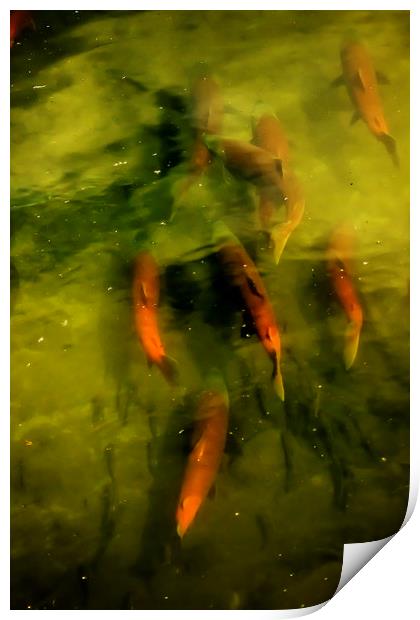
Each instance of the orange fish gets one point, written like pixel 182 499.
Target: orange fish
pixel 145 292
pixel 295 208
pixel 207 114
pixel 205 457
pixel 19 21
pixel 339 253
pixel 269 135
pixel 361 80
pixel 207 117
pixel 249 162
pixel 245 276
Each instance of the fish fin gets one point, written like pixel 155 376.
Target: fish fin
pixel 253 287
pixel 391 147
pixel 382 78
pixel 278 385
pixel 358 80
pixel 351 344
pixel 277 377
pixel 339 81
pixel 169 368
pixel 279 166
pixel 355 117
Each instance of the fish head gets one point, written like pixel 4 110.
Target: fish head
pixel 186 512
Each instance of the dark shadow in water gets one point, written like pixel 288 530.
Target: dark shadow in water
pixel 53 39
pixel 159 543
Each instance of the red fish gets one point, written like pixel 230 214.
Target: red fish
pixel 19 21
pixel 245 276
pixel 339 253
pixel 361 80
pixel 205 458
pixel 145 292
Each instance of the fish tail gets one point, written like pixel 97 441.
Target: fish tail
pixel 280 235
pixel 351 344
pixel 277 378
pixel 169 368
pixel 391 147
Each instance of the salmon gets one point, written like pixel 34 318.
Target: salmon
pixel 145 293
pixel 339 254
pixel 207 117
pixel 361 80
pixel 269 135
pixel 245 276
pixel 295 208
pixel 205 458
pixel 249 162
pixel 19 21
pixel 207 104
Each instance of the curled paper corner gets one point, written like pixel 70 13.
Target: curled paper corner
pixel 357 555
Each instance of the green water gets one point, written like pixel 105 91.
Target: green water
pixel 101 135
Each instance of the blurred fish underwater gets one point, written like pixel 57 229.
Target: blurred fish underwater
pixel 209 303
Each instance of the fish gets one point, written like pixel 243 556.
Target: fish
pixel 269 135
pixel 145 294
pixel 249 162
pixel 205 458
pixel 206 119
pixel 207 106
pixel 361 80
pixel 295 209
pixel 19 21
pixel 339 252
pixel 245 276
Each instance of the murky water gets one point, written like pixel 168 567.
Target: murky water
pixel 101 139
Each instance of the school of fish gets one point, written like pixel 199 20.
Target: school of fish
pixel 265 164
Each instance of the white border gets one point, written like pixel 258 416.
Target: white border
pixel 388 584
